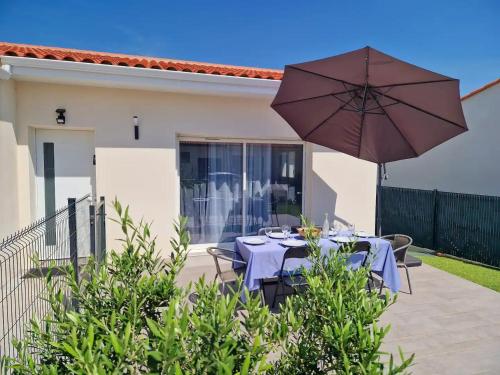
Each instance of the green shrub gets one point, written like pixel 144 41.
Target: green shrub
pixel 333 323
pixel 131 317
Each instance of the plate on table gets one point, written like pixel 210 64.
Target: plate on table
pixel 277 235
pixel 363 234
pixel 342 239
pixel 254 241
pixel 293 243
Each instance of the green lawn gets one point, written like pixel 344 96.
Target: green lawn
pixel 484 276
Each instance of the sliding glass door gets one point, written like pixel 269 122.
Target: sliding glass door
pixel 212 190
pixel 211 176
pixel 274 185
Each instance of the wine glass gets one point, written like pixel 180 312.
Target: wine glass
pixel 336 228
pixel 351 229
pixel 268 231
pixel 286 230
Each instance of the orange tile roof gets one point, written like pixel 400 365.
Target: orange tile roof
pixel 481 89
pixel 66 54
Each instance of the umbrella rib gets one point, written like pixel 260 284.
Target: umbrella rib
pixel 381 106
pixel 314 97
pixel 324 121
pixel 323 76
pixel 355 109
pixel 349 91
pixel 414 83
pixel 395 126
pixel 420 109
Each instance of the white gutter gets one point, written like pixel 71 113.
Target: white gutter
pixel 5 72
pixel 77 73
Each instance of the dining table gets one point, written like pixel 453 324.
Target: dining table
pixel 264 260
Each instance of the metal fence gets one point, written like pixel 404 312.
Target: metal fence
pixel 462 225
pixel 68 237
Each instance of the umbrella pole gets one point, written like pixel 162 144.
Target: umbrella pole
pixel 378 208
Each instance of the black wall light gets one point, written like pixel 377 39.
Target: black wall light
pixel 60 119
pixel 136 127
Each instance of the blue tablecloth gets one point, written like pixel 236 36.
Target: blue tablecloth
pixel 264 261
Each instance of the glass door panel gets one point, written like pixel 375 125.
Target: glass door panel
pixel 211 179
pixel 274 185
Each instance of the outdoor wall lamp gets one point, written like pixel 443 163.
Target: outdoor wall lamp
pixel 136 127
pixel 60 119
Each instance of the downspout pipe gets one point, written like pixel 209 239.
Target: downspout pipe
pixel 5 72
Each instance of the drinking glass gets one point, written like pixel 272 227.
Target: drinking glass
pixel 336 228
pixel 268 231
pixel 352 229
pixel 286 230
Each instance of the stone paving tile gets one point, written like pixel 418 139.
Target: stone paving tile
pixel 452 325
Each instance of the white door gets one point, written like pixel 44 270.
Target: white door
pixel 64 169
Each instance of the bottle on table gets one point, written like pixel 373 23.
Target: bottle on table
pixel 326 227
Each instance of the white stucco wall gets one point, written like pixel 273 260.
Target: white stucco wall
pixel 468 163
pixel 342 186
pixel 143 173
pixel 9 219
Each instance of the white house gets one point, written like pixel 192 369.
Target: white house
pixel 167 137
pixel 468 163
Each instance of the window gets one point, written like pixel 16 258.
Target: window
pixel 212 191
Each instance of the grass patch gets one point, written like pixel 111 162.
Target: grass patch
pixel 488 277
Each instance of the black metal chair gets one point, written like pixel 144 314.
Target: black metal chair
pixel 291 279
pixel 262 231
pixel 359 247
pixel 400 244
pixel 272 280
pixel 227 255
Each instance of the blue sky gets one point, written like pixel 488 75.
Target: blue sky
pixel 457 38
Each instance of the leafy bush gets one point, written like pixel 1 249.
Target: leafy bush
pixel 333 323
pixel 131 317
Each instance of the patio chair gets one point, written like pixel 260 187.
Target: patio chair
pixel 262 231
pixel 360 247
pixel 400 244
pixel 230 275
pixel 292 279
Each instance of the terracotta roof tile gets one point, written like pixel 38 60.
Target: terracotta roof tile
pixel 481 89
pixel 66 54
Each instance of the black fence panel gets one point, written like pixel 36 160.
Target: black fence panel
pixel 408 211
pixel 463 225
pixel 468 227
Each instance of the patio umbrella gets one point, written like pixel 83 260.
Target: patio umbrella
pixel 370 105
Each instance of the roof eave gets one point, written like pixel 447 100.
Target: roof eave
pixel 78 73
pixel 480 89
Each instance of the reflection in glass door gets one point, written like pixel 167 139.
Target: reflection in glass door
pixel 211 184
pixel 274 185
pixel 211 190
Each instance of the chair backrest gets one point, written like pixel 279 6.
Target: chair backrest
pixel 299 252
pixel 400 244
pixel 357 247
pixel 262 231
pixel 224 254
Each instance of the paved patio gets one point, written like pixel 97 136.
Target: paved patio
pixel 451 324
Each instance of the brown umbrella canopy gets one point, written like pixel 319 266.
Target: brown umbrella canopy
pixel 370 105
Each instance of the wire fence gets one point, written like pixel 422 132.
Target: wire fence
pixel 66 238
pixel 463 225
